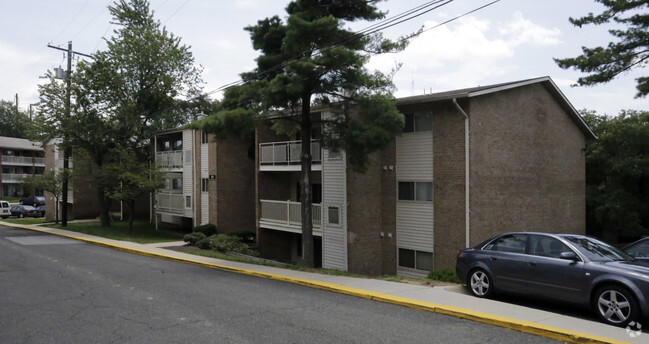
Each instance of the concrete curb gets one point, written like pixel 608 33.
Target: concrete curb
pixel 505 322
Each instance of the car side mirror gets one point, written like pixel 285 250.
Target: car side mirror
pixel 569 256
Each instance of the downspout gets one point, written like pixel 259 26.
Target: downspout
pixel 467 203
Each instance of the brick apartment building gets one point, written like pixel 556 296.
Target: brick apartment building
pixel 206 181
pixel 19 158
pixel 471 163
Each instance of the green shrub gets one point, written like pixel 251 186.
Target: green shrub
pixel 208 229
pixel 226 243
pixel 444 275
pixel 193 238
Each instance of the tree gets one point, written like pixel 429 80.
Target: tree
pixel 617 175
pixel 311 59
pixel 629 52
pixel 125 93
pixel 134 178
pixel 50 181
pixel 13 122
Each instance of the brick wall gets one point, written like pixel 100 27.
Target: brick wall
pixel 527 165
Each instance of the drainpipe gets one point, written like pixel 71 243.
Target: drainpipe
pixel 467 203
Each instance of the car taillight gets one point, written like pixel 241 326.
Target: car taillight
pixel 459 252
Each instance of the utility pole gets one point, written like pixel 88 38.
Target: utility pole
pixel 67 150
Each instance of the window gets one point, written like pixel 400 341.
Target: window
pixel 333 214
pixel 177 183
pixel 188 201
pixel 178 144
pixel 204 184
pixel 205 137
pixel 416 191
pixel 420 260
pixel 547 246
pixel 418 121
pixel 513 243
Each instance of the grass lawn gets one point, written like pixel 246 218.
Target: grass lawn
pixel 143 232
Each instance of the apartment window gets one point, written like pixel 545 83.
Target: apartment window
pixel 205 137
pixel 416 191
pixel 188 201
pixel 178 145
pixel 420 260
pixel 204 184
pixel 333 215
pixel 418 121
pixel 177 183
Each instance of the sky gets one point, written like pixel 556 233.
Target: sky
pixel 506 41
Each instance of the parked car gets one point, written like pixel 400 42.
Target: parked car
pixel 568 268
pixel 24 211
pixel 5 211
pixel 41 210
pixel 638 249
pixel 33 200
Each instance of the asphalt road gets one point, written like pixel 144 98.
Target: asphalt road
pixel 58 290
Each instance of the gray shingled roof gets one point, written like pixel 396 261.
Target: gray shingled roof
pixel 18 144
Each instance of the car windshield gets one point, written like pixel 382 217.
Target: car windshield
pixel 598 251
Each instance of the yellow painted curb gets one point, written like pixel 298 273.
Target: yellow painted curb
pixel 509 323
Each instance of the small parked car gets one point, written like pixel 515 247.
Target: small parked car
pixel 568 268
pixel 5 211
pixel 33 200
pixel 638 249
pixel 22 211
pixel 41 210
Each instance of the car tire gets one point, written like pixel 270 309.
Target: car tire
pixel 480 283
pixel 20 216
pixel 615 305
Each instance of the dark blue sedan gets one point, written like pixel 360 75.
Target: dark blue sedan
pixel 565 267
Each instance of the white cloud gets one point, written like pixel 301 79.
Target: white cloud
pixel 469 52
pixel 522 31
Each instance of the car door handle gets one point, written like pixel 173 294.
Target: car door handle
pixel 493 258
pixel 532 263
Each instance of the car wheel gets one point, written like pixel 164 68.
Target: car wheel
pixel 480 283
pixel 616 305
pixel 21 216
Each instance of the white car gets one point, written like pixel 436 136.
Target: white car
pixel 4 209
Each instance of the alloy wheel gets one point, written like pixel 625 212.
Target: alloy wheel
pixel 614 306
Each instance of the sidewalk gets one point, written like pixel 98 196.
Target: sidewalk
pixel 451 300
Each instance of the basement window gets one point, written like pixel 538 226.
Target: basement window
pixel 420 260
pixel 416 191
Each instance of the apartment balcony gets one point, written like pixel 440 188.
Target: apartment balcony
pixel 285 156
pixel 287 216
pixel 170 159
pixel 168 202
pixel 10 160
pixel 14 178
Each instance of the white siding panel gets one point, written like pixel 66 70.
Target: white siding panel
pixel 415 156
pixel 415 225
pixel 205 160
pixel 205 209
pixel 188 171
pixel 334 194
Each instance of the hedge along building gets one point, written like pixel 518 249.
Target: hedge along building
pixel 471 163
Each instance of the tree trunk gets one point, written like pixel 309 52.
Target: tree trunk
pixel 305 185
pixel 131 211
pixel 104 207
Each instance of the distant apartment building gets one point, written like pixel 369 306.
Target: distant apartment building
pixel 470 163
pixel 206 181
pixel 19 158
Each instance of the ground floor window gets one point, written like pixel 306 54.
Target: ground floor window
pixel 420 260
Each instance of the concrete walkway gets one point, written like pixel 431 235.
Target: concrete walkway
pixel 452 300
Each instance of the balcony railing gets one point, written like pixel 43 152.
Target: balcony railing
pixel 288 213
pixel 287 152
pixel 170 202
pixel 170 159
pixel 22 160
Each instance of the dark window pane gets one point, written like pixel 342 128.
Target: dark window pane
pixel 424 261
pixel 407 191
pixel 406 258
pixel 423 121
pixel 410 123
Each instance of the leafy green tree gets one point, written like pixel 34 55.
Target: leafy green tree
pixel 631 50
pixel 134 178
pixel 50 181
pixel 124 94
pixel 312 59
pixel 13 122
pixel 617 175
